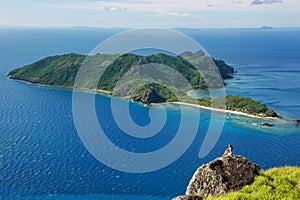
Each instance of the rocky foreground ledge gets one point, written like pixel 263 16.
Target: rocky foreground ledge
pixel 220 176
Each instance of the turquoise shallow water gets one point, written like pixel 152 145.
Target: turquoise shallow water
pixel 42 156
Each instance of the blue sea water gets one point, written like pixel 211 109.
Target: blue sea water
pixel 42 156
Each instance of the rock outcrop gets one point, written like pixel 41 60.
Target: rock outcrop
pixel 268 125
pixel 271 113
pixel 222 175
pixel 150 96
pixel 143 60
pixel 188 197
pixel 296 121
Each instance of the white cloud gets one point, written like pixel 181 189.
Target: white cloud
pixel 171 13
pixel 172 6
pixel 259 2
pixel 179 14
pixel 114 8
pixel 185 14
pixel 139 5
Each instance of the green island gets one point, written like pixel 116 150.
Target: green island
pixel 61 71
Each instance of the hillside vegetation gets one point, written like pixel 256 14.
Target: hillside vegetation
pixel 164 92
pixel 62 70
pixel 130 75
pixel 54 70
pixel 273 184
pixel 238 103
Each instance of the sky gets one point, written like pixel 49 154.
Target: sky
pixel 151 13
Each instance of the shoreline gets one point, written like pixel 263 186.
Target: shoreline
pixel 153 104
pixel 64 87
pixel 226 111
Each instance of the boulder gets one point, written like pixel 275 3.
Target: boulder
pixel 187 197
pixel 296 121
pixel 268 125
pixel 222 175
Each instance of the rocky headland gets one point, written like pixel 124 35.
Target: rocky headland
pixel 220 176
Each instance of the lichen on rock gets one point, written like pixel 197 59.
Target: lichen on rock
pixel 222 175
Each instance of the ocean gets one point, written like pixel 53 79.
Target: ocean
pixel 43 157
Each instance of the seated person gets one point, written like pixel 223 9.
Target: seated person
pixel 228 151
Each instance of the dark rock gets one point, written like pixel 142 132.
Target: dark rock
pixel 296 121
pixel 222 175
pixel 188 197
pixel 268 125
pixel 271 113
pixel 143 60
pixel 150 96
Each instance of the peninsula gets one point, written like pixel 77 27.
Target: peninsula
pixel 61 71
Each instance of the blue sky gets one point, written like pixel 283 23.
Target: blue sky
pixel 151 13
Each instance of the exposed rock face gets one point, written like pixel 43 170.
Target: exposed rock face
pixel 222 175
pixel 187 197
pixel 271 113
pixel 150 96
pixel 143 60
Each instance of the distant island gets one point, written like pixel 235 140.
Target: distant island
pixel 61 71
pixel 267 27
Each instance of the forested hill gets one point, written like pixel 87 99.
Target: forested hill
pixel 61 70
